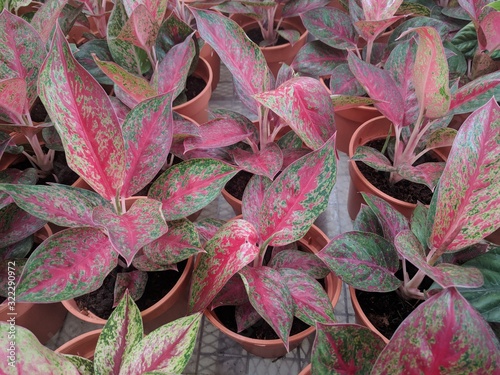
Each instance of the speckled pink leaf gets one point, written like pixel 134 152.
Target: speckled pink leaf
pixel 233 293
pixel 364 260
pixel 83 116
pixel 129 232
pixel 266 162
pixel 46 18
pixel 292 36
pixel 441 138
pixel 68 264
pixel 26 176
pixel 295 8
pixel 12 100
pixel 143 263
pixel 31 357
pixel 298 195
pixel 371 29
pixel 22 52
pixel 444 332
pixel 344 348
pixel 121 332
pixel 245 315
pixel 189 186
pixel 156 8
pixel 473 8
pixel 311 303
pixel 62 205
pixel 474 94
pixel 270 297
pixel 427 174
pixel 307 263
pixel 148 133
pixel 207 227
pixel 16 224
pixel 367 221
pixel 252 199
pixel 140 29
pixel 134 282
pixel 227 252
pixel 380 10
pixel 179 243
pixel 166 350
pixel 490 28
pixel 380 86
pixel 317 59
pixel 343 82
pixel 305 104
pixel 446 275
pixel 243 58
pixel 374 158
pixel 468 204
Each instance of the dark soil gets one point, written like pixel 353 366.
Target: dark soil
pixel 260 330
pixel 236 185
pixel 403 190
pixel 194 86
pixel 386 311
pixel 255 35
pixel 100 301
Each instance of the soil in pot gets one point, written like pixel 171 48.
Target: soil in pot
pixel 100 301
pixel 236 185
pixel 403 190
pixel 255 35
pixel 386 311
pixel 194 86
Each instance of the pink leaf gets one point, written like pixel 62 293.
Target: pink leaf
pixel 427 174
pixel 12 100
pixel 134 282
pixel 307 263
pixel 252 199
pixel 371 29
pixel 16 224
pixel 46 18
pixel 246 316
pixel 266 162
pixel 473 8
pixel 490 28
pixel 374 158
pixel 227 252
pixel 233 293
pixel 140 29
pixel 380 10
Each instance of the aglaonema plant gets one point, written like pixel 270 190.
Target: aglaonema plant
pixel 413 91
pixel 445 242
pixel 234 270
pixel 117 160
pixel 122 347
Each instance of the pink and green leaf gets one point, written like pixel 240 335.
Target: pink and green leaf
pixel 46 18
pixel 317 59
pixel 27 176
pixel 292 36
pixel 121 332
pixel 253 196
pixel 310 300
pixel 233 293
pixel 374 158
pixel 443 137
pixel 140 29
pixel 68 264
pixel 189 186
pixel 12 100
pixel 307 263
pixel 455 337
pixel 245 315
pixel 363 260
pixel 427 174
pixel 165 350
pixel 446 275
pixel 148 133
pixel 305 105
pixel 270 297
pixel 133 282
pixel 16 224
pixel 468 204
pixel 343 82
pixel 475 94
pixel 227 252
pixel 295 8
pixel 344 348
pixel 380 10
pixel 129 232
pixel 490 28
pixel 298 195
pixel 372 29
pixel 266 162
pixel 83 116
pixel 367 221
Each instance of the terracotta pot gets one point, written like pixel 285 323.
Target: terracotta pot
pixel 277 55
pixel 43 319
pixel 314 240
pixel 361 318
pixel 234 202
pixel 306 370
pixel 197 108
pixel 213 59
pixel 375 128
pixel 82 345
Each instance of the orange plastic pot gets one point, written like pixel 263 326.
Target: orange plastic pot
pixel 83 345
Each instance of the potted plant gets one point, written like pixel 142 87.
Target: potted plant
pixel 121 347
pixel 106 231
pixel 418 104
pixel 443 243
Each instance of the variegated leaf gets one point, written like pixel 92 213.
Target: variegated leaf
pixel 21 52
pixel 227 252
pixel 62 205
pixel 266 162
pixel 380 10
pixel 427 174
pixel 140 29
pixel 242 57
pixel 305 105
pixel 179 243
pixel 446 275
pixel 133 282
pixel 490 28
pixel 68 264
pixel 347 101
pixel 468 206
pixel 331 26
pixel 245 315
pixel 295 8
pixel 380 86
pixel 46 18
pixel 156 8
pixel 473 8
pixel 372 29
pixel 27 176
pixel 148 133
pixel 441 138
pixel 367 221
pixel 344 348
pixel 455 338
pixel 13 100
pixel 189 186
pixel 165 350
pixel 292 36
pixel 317 59
pixel 298 195
pixel 392 220
pixel 120 334
pixel 310 300
pixel 270 297
pixel 83 117
pixel 252 199
pixel 475 94
pixel 207 227
pixel 233 293
pixel 419 224
pixel 307 263
pixel 363 260
pixel 17 250
pixel 16 224
pixel 84 366
pixel 374 158
pixel 30 357
pixel 143 263
pixel 343 82
pixel 129 232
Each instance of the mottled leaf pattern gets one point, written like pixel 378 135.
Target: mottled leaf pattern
pixel 12 100
pixel 68 264
pixel 46 18
pixel 365 261
pixel 301 261
pixel 343 82
pixel 252 199
pixel 133 282
pixel 374 158
pixel 317 59
pixel 16 224
pixel 232 293
pixel 475 94
pixel 15 176
pixel 266 162
pixel 227 252
pixel 140 29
